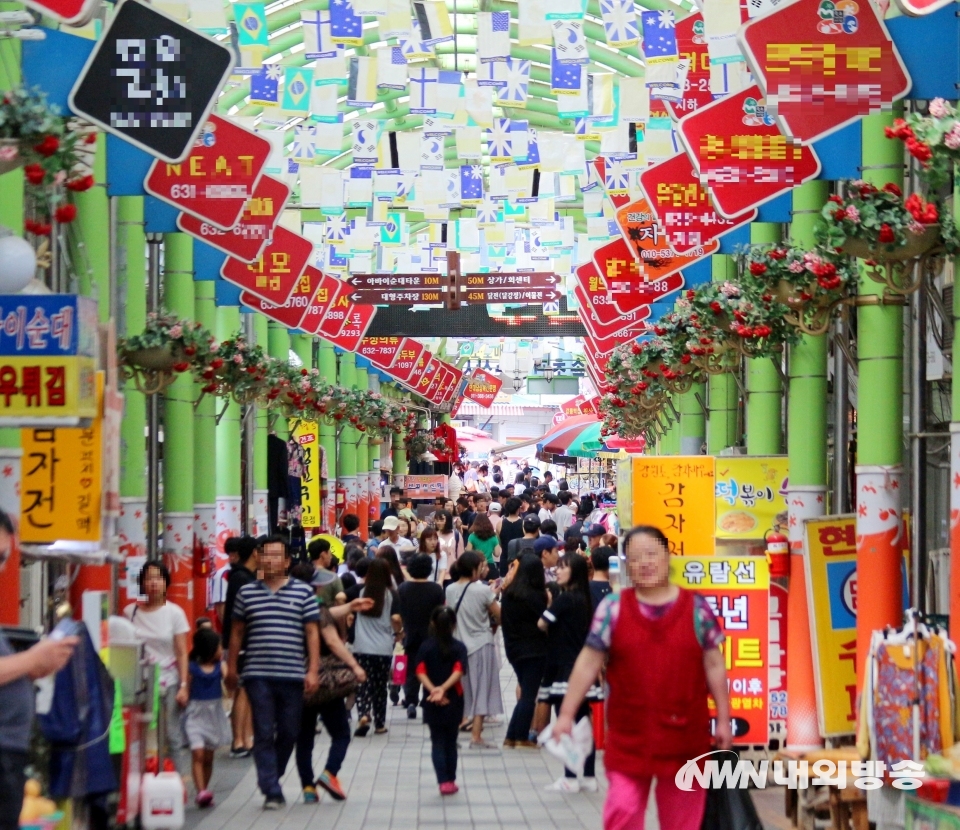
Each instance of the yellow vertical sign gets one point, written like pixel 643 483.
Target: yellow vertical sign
pixel 307 435
pixel 62 481
pixel 677 495
pixel 750 493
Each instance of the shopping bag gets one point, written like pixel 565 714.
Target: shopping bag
pixel 571 749
pixel 729 808
pixel 399 675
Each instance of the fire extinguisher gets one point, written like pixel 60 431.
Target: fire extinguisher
pixel 341 496
pixel 778 553
pixel 201 562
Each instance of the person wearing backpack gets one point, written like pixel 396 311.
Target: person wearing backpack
pixel 518 547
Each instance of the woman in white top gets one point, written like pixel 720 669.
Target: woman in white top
pixel 430 545
pixel 451 540
pixel 163 628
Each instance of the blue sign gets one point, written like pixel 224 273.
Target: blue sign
pixel 52 325
pixel 842 584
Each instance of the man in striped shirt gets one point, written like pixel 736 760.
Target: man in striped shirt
pixel 275 620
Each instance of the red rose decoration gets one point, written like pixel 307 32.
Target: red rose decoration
pixel 758 269
pixel 66 213
pixel 48 146
pixel 217 362
pixel 43 229
pixel 890 187
pixel 80 185
pixel 886 234
pixel 835 199
pixel 182 366
pixel 776 254
pixel 34 173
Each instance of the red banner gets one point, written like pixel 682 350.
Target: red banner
pixel 823 64
pixel 740 154
pixel 432 392
pixel 215 181
pixel 450 383
pixel 246 239
pixel 275 274
pixel 380 351
pixel 483 387
pixel 428 374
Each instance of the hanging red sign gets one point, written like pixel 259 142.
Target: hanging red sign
pixel 346 322
pixel 683 206
pixel 614 263
pixel 450 383
pixel 600 166
pixel 380 351
pixel 596 304
pixel 274 275
pixel 432 391
pixel 71 12
pixel 295 308
pixel 246 239
pixel 329 288
pixel 650 256
pixel 692 46
pixel 406 362
pixel 741 156
pixel 217 179
pixel 427 376
pixel 483 387
pixel 823 64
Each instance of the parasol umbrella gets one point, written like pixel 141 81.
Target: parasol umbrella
pixel 568 437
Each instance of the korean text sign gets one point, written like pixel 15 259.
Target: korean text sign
pixel 831 570
pixel 483 387
pixel 750 493
pixel 307 435
pixel 677 495
pixel 424 487
pixel 61 482
pixel 737 589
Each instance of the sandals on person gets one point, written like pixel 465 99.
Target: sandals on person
pixel 363 727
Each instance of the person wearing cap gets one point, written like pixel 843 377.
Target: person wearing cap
pixel 594 534
pixel 546 548
pixel 493 514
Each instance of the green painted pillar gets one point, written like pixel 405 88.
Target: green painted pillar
pixel 347 442
pixel 229 484
pixel 93 226
pixel 262 329
pixel 205 432
pixel 11 184
pixel 670 441
pixel 278 346
pixel 807 451
pixel 131 318
pixel 880 424
pixel 723 395
pixel 327 364
pixel 178 449
pixel 764 390
pixel 693 424
pixel 363 459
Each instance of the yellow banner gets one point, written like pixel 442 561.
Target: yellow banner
pixel 750 493
pixel 41 387
pixel 307 435
pixel 677 495
pixel 831 570
pixel 62 479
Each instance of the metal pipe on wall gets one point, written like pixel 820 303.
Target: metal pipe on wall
pixel 918 447
pixel 154 242
pixel 841 419
pixel 248 434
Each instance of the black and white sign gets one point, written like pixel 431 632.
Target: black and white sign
pixel 152 81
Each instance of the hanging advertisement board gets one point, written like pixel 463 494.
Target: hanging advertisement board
pixel 307 435
pixel 750 492
pixel 677 495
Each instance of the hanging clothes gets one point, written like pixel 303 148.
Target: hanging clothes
pixel 295 465
pixel 276 478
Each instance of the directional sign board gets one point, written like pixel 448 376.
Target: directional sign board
pixel 151 81
pixel 497 280
pixel 246 239
pixel 511 295
pixel 400 296
pixel 274 276
pixel 216 180
pixel 823 64
pixel 741 156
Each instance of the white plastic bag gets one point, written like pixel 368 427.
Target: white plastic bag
pixel 571 749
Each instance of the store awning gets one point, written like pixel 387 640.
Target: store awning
pixel 562 427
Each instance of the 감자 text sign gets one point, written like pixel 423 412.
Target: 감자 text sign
pixel 677 495
pixel 823 64
pixel 151 81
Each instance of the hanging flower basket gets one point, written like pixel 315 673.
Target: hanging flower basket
pixel 914 245
pixel 166 348
pixel 156 357
pixel 933 139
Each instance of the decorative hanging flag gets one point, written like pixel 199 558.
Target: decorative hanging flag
pixel 366 136
pixel 493 36
pixel 616 178
pixel 369 7
pixel 324 98
pixel 600 95
pixel 391 68
pixel 517 81
pixel 328 137
pixel 317 42
pixel 251 24
pixel 569 41
pixel 452 196
pixel 620 23
pixel 362 82
pixel 395 19
pixel 721 20
pixel 449 91
pixel 660 47
pixel 634 100
pixel 346 26
pixel 431 152
pixel 434 20
pixel 303 147
pixel 423 89
pixel 531 156
pixel 565 78
pixel 476 103
pixel 492 74
pixel 499 141
pixel 265 85
pixel 208 16
pixel 296 90
pixel 412 44
pixel 471 183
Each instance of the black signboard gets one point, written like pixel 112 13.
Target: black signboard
pixel 151 81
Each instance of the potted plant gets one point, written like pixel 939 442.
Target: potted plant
pixel 933 139
pixel 165 348
pixel 241 371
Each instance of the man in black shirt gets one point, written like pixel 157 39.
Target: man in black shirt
pixel 242 573
pixel 419 596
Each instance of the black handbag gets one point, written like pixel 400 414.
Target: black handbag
pixel 729 808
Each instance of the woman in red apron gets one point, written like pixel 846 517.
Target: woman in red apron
pixel 661 649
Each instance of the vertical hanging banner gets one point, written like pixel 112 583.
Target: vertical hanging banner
pixel 275 274
pixel 307 435
pixel 215 182
pixel 683 207
pixel 677 495
pixel 823 64
pixel 246 239
pixel 740 155
pixel 737 589
pixel 751 492
pixel 483 388
pixel 831 570
pixel 151 80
